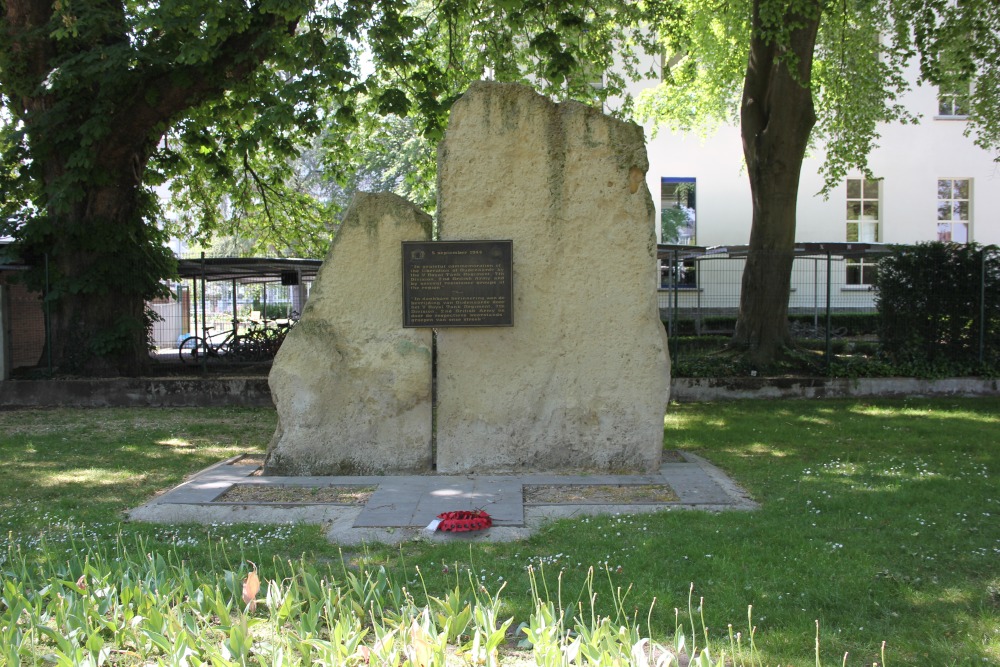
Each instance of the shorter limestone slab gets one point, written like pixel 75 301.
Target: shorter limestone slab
pixel 351 386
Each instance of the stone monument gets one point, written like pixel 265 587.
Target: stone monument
pixel 351 386
pixel 550 358
pixel 581 379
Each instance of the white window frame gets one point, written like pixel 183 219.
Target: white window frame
pixel 952 208
pixel 863 225
pixel 866 221
pixel 953 104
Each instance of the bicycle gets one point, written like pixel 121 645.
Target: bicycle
pixel 193 349
pixel 259 343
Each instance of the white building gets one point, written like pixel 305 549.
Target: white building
pixel 933 183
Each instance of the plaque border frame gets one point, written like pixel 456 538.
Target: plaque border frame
pixel 403 291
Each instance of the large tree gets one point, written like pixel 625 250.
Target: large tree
pixel 802 71
pixel 102 99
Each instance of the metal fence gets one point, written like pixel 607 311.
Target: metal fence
pixel 214 299
pixel 832 302
pixel 709 290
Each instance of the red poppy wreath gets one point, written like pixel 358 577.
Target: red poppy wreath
pixel 462 521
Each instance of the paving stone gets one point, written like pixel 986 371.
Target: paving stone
pixel 401 506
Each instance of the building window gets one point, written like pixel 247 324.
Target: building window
pixel 863 225
pixel 861 272
pixel 954 214
pixel 678 225
pixel 677 211
pixel 953 100
pixel 863 210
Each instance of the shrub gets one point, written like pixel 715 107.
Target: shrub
pixel 939 302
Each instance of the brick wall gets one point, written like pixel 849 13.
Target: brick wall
pixel 25 324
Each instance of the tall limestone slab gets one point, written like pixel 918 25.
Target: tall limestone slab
pixel 351 386
pixel 581 380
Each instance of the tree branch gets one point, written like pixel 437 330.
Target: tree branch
pixel 179 88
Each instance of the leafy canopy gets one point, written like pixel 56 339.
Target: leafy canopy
pixel 865 56
pixel 248 105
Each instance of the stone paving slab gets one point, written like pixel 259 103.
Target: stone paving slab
pixel 392 504
pixel 401 506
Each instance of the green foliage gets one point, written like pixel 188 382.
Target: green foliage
pixel 856 347
pixel 857 76
pixel 119 598
pixel 704 47
pixel 959 47
pixel 807 71
pixel 123 263
pixel 859 67
pixel 939 303
pixel 379 133
pixel 261 121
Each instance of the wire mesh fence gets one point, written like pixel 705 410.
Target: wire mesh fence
pixel 939 305
pixel 836 304
pixel 220 309
pixel 234 308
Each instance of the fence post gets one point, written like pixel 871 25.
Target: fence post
pixel 673 311
pixel 236 321
pixel 829 316
pixel 48 318
pixel 194 308
pixel 815 294
pixel 982 305
pixel 204 315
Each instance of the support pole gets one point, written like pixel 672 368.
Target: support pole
pixel 204 314
pixel 193 314
pixel 48 318
pixel 236 321
pixel 677 279
pixel 815 293
pixel 982 305
pixel 829 316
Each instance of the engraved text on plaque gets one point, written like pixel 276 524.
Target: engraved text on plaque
pixel 457 284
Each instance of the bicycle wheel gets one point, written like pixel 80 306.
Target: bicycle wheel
pixel 251 345
pixel 192 350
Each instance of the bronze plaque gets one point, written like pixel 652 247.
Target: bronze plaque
pixel 457 284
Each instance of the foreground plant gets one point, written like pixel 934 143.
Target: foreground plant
pixel 123 605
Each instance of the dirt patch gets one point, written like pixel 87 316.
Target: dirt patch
pixel 303 495
pixel 598 494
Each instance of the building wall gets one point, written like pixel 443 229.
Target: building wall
pixel 910 159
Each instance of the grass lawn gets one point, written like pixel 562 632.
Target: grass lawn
pixel 879 520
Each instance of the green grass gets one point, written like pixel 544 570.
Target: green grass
pixel 880 520
pixel 69 474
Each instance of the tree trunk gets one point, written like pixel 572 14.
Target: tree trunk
pixel 105 260
pixel 90 135
pixel 777 116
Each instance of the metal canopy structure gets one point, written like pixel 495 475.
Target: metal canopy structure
pixel 292 272
pixel 836 249
pixel 245 268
